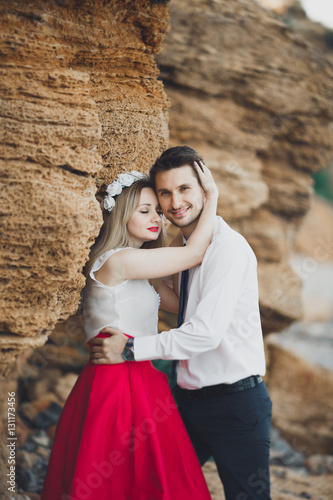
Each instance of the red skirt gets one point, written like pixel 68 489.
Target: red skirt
pixel 120 437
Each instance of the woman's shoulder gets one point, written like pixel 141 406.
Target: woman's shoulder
pixel 110 266
pixel 104 258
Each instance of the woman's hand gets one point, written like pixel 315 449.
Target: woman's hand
pixel 206 179
pixel 108 351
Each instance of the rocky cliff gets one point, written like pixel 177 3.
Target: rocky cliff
pixel 79 101
pixel 255 98
pixel 80 98
pixel 253 92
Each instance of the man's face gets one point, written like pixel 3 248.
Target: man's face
pixel 180 196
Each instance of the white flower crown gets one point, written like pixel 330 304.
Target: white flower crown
pixel 114 189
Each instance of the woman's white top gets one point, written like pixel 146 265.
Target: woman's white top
pixel 132 306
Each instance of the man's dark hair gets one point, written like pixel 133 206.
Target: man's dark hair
pixel 174 158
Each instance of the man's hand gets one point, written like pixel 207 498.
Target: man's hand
pixel 108 351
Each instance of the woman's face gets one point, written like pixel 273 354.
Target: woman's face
pixel 145 223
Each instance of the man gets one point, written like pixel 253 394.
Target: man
pixel 220 393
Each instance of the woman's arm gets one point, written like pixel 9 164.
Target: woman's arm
pixel 159 262
pixel 169 299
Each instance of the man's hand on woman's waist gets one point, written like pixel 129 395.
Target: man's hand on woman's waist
pixel 109 350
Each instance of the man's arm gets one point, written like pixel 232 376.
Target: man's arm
pixel 223 277
pixel 224 274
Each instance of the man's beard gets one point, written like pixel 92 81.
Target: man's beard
pixel 186 223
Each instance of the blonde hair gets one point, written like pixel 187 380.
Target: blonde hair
pixel 114 232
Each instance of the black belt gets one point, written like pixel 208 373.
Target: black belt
pixel 216 390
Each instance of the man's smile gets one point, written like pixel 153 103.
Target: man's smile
pixel 180 212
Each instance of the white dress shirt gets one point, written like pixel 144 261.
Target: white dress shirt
pixel 221 339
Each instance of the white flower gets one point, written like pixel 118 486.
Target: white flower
pixel 126 179
pixel 137 175
pixel 109 203
pixel 114 189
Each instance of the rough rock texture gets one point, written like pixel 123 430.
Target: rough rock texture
pixel 79 100
pixel 66 349
pixel 302 398
pixel 285 484
pixel 80 90
pixel 255 98
pixel 315 33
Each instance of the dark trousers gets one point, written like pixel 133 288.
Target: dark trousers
pixel 234 430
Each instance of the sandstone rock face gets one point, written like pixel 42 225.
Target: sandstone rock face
pixel 80 90
pixel 79 101
pixel 301 392
pixel 255 99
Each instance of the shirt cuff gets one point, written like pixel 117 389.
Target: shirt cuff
pixel 145 348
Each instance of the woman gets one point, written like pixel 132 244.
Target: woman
pixel 120 436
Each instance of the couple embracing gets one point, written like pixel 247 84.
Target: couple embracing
pixel 120 435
